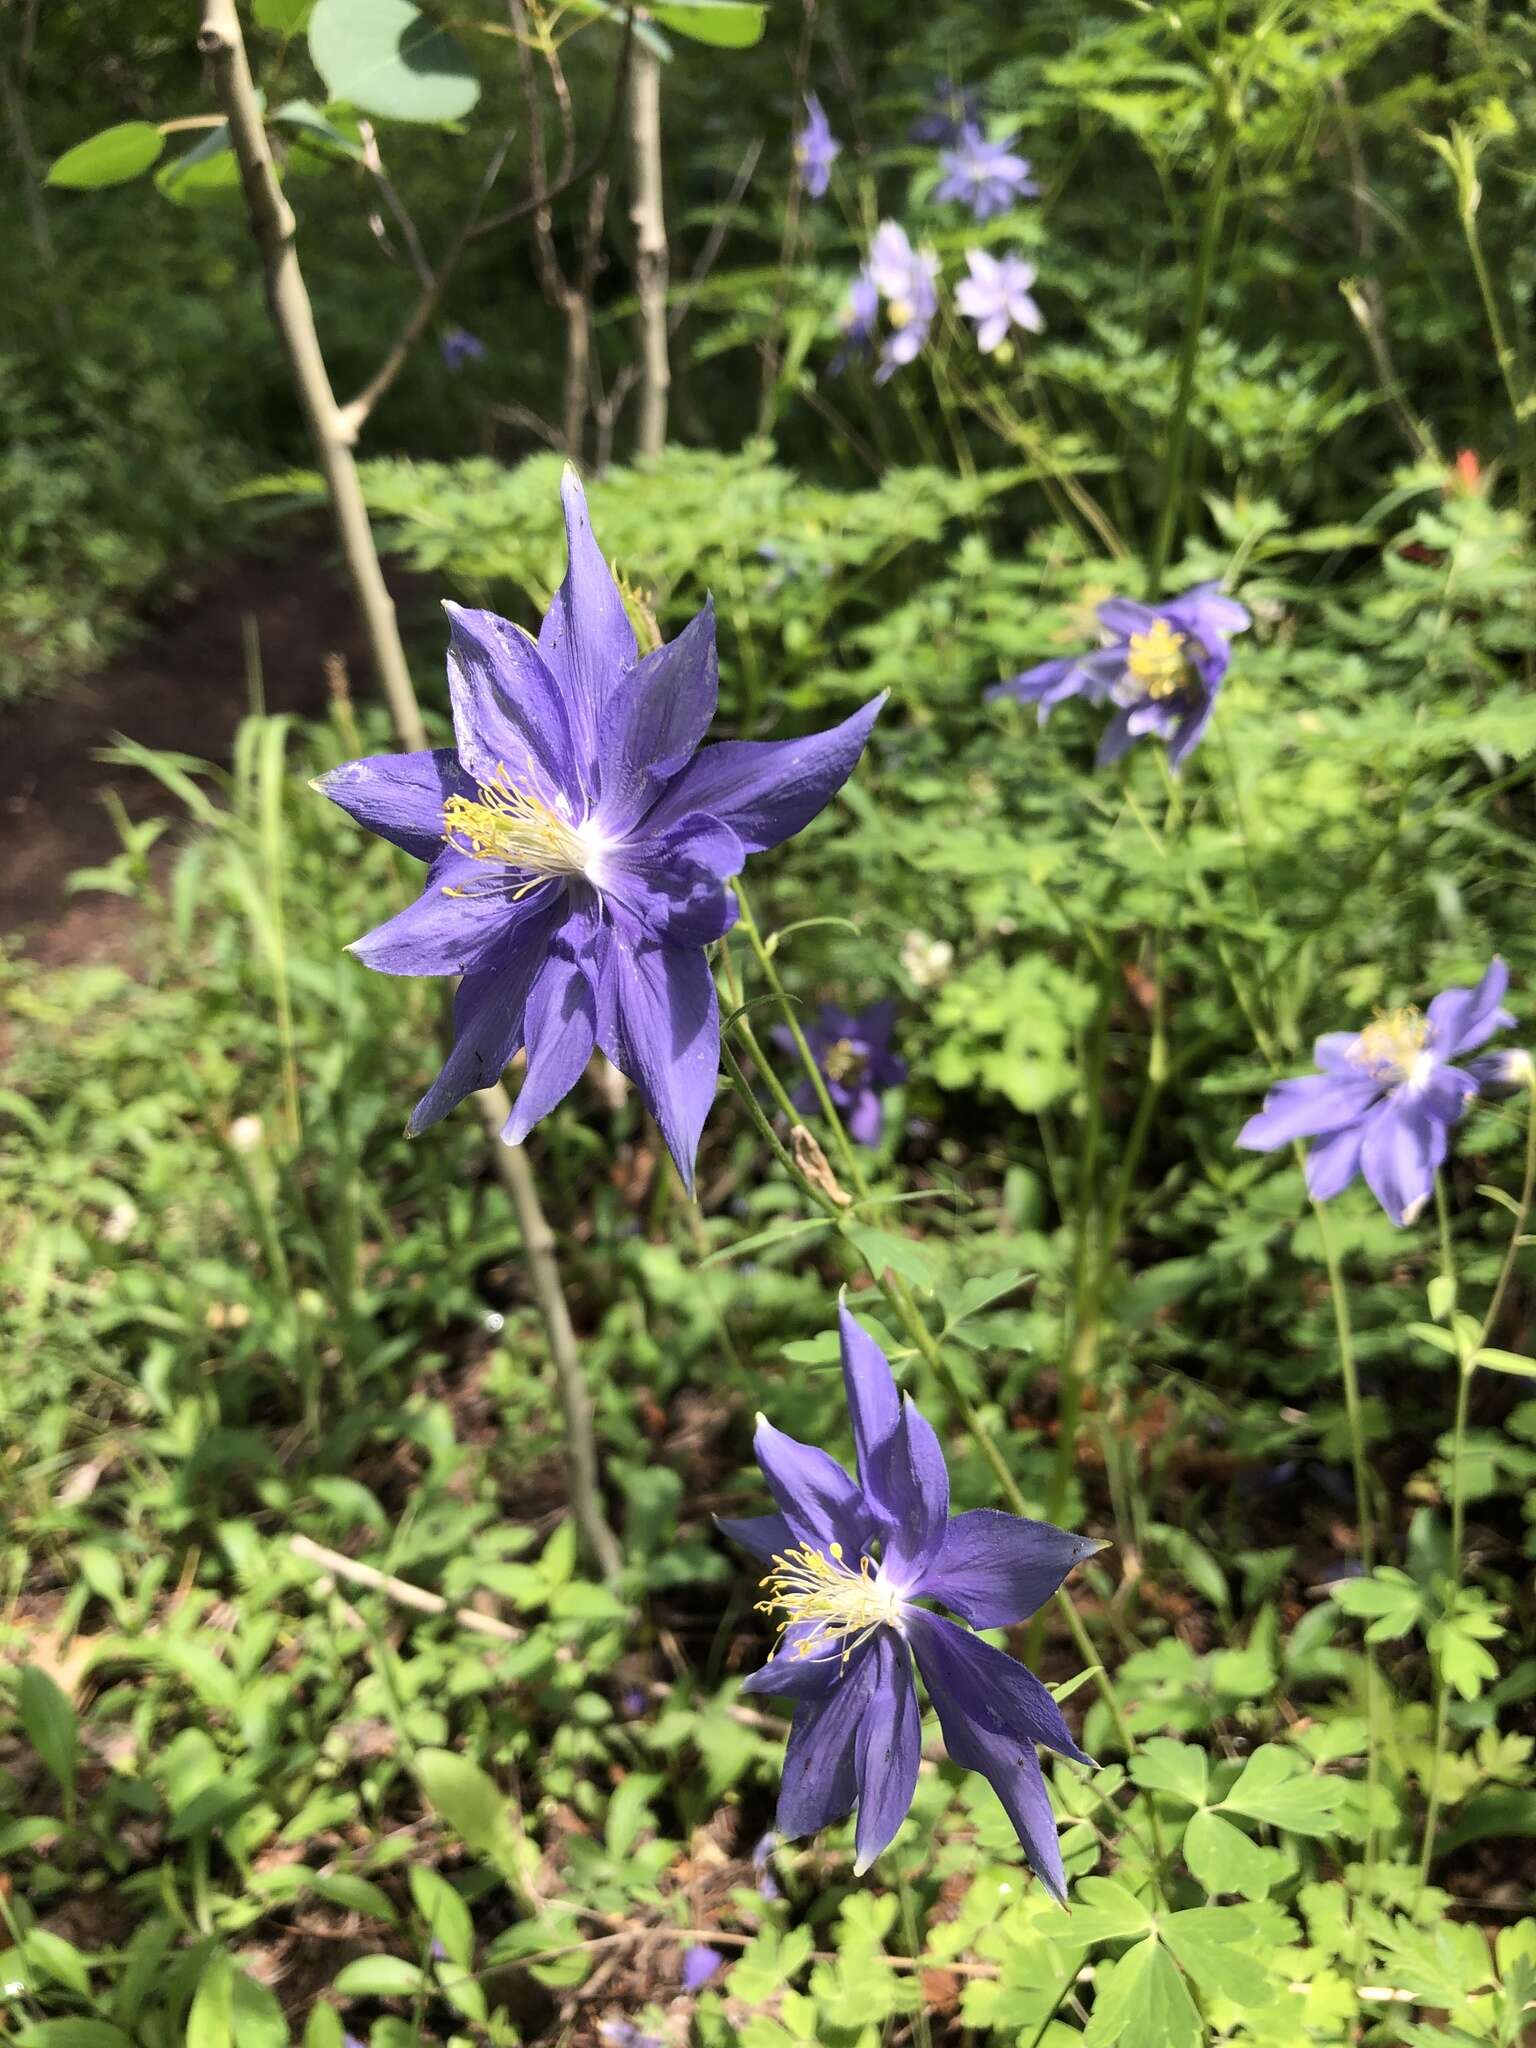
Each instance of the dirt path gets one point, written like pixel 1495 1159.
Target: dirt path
pixel 182 685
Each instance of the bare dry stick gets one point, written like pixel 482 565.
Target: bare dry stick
pixel 272 224
pixel 647 211
pixel 400 1590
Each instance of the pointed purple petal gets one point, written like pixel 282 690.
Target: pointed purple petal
pixel 1462 1018
pixel 439 933
pixel 659 1022
pixel 1307 1107
pixel 1123 616
pixel 657 720
pixel 1445 1093
pixel 818 1499
pixel 887 1750
pixel 874 1405
pixel 507 710
pixel 1333 1162
pixel 993 1712
pixel 1335 1052
pixel 673 885
pixel 994 1569
pixel 766 790
pixel 865 1118
pixel 488 1009
pixel 559 1027
pixel 765 1536
pixel 789 1676
pixel 819 1784
pixel 586 637
pixel 909 1484
pixel 1115 740
pixel 1403 1149
pixel 399 796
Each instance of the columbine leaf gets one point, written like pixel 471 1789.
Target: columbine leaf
pixel 1275 1787
pixel 1163 1765
pixel 1143 2002
pixel 1224 1859
pixel 1207 1941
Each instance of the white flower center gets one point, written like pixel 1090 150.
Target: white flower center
pixel 513 828
pixel 842 1607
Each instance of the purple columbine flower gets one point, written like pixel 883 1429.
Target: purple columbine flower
pixel 579 847
pixel 762 1863
pixel 848 1563
pixel 904 278
pixel 985 176
pixel 1386 1098
pixel 624 2034
pixel 459 347
pixel 996 296
pixel 816 149
pixel 860 317
pixel 1162 667
pixel 856 1062
pixel 951 110
pixel 699 1965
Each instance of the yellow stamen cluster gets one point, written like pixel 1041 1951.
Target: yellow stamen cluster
pixel 1157 660
pixel 844 1607
pixel 901 312
pixel 515 829
pixel 1390 1046
pixel 844 1061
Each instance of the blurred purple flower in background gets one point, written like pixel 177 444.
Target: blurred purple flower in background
pixel 580 844
pixel 996 296
pixel 856 1062
pixel 1163 668
pixel 851 1624
pixel 1386 1098
pixel 985 176
pixel 951 110
pixel 459 347
pixel 816 149
pixel 860 317
pixel 904 278
pixel 699 1965
pixel 762 1863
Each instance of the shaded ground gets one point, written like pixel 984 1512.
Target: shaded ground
pixel 182 686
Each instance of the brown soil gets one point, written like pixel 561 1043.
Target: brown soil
pixel 182 686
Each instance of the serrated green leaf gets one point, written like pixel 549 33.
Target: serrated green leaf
pixel 1223 1859
pixel 1207 1942
pixel 1163 1765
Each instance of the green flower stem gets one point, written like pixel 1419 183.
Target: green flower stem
pixel 898 1293
pixel 1466 1366
pixel 1171 485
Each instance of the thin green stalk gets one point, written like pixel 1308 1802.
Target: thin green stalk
pixel 1465 1367
pixel 1170 490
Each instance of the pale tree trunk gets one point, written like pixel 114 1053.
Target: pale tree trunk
pixel 648 214
pixel 272 224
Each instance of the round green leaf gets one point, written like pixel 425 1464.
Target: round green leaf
pixel 110 158
pixel 378 1977
pixel 727 24
pixel 384 57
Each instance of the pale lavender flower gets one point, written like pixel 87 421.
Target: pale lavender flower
pixel 996 296
pixel 904 278
pixel 860 318
pixel 580 844
pixel 816 149
pixel 1386 1098
pixel 985 176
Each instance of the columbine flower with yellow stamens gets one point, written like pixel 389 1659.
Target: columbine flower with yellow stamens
pixel 856 1062
pixel 1386 1098
pixel 1162 667
pixel 849 1564
pixel 580 842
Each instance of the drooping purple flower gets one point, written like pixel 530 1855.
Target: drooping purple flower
pixel 860 318
pixel 459 347
pixel 816 149
pixel 1386 1098
pixel 856 1062
pixel 996 296
pixel 952 109
pixel 1503 1073
pixel 699 1965
pixel 848 1563
pixel 904 278
pixel 1162 667
pixel 580 844
pixel 762 1863
pixel 985 176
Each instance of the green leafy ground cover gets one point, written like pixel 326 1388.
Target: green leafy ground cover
pixel 316 1723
